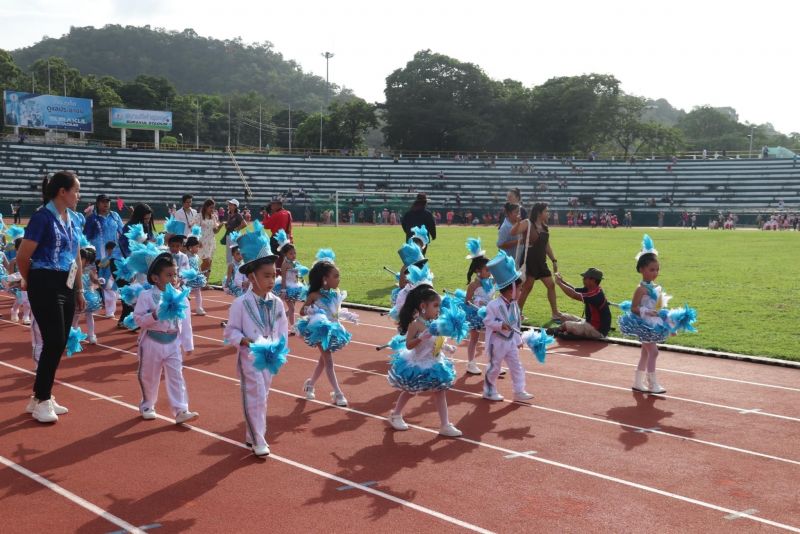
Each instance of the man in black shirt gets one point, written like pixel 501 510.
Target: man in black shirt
pixel 418 215
pixel 597 314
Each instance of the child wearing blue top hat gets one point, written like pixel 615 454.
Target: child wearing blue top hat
pixel 291 284
pixel 503 330
pixel 320 326
pixel 162 314
pixel 258 328
pixel 411 256
pixel 480 290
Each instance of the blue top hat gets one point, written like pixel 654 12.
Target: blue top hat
pixel 175 227
pixel 504 270
pixel 255 249
pixel 410 253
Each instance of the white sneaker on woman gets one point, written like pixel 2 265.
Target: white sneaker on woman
pixel 57 408
pixel 44 412
pixel 450 431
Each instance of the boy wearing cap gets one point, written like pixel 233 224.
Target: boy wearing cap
pixel 595 308
pixel 503 335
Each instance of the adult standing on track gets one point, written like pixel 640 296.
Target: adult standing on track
pixel 276 219
pixel 419 215
pixel 505 241
pixel 142 214
pixel 537 245
pixel 234 223
pixel 210 225
pixel 186 214
pixel 52 274
pixel 103 226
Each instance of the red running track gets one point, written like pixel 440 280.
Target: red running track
pixel 719 451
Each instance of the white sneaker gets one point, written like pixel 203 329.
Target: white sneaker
pixel 339 399
pixel 26 320
pixel 44 412
pixel 397 422
pixel 14 317
pixel 109 315
pixel 201 312
pixel 450 431
pixel 261 450
pixel 149 415
pixel 472 368
pixel 186 416
pixel 493 396
pixel 92 340
pixel 522 396
pixel 308 390
pixel 57 408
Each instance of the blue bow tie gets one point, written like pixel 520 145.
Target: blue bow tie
pixel 265 303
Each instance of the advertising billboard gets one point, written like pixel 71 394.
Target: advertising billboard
pixel 47 112
pixel 140 119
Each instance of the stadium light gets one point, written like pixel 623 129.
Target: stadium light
pixel 752 129
pixel 327 56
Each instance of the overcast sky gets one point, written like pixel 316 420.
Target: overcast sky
pixel 734 53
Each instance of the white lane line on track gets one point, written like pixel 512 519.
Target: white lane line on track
pixel 80 501
pixel 504 450
pixel 569 355
pixel 282 459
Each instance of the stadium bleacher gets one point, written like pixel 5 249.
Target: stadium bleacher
pixel 161 177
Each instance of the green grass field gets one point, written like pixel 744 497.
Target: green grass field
pixel 736 280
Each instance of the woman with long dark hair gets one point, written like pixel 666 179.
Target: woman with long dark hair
pixel 210 225
pixel 142 214
pixel 537 249
pixel 47 260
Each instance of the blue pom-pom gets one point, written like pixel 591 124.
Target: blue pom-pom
pixel 326 254
pixel 130 293
pixel 625 306
pixel 452 322
pixel 83 242
pixel 269 355
pixel 160 240
pixel 197 231
pixel 130 322
pixel 647 243
pixel 482 312
pixel 14 232
pixel 122 271
pixel 173 303
pixel 421 232
pixel 302 270
pixel 76 335
pixel 173 226
pixel 136 233
pixel 397 342
pixel 141 257
pixel 683 319
pixel 538 341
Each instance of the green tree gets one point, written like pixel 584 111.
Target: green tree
pixel 350 122
pixel 708 128
pixel 9 72
pixel 307 134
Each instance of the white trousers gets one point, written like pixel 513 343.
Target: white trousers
pixel 89 322
pixel 153 357
pixel 501 350
pixel 254 385
pixel 109 298
pixel 22 303
pixel 197 295
pixel 36 343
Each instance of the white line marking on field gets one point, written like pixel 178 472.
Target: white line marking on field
pixel 111 396
pixel 739 515
pixel 648 430
pixel 754 410
pixel 52 486
pixel 520 454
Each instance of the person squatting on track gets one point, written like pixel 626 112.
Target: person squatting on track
pixel 47 261
pixel 420 365
pixel 480 290
pixel 162 314
pixel 503 334
pixel 595 308
pixel 257 319
pixel 320 326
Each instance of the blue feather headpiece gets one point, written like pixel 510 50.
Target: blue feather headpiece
pixel 136 233
pixel 327 255
pixel 141 257
pixel 282 238
pixel 421 233
pixel 254 247
pixel 648 247
pixel 160 240
pixel 474 248
pixel 175 227
pixel 419 275
pixel 197 231
pixel 83 242
pixel 14 232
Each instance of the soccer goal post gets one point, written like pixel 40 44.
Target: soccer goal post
pixel 370 206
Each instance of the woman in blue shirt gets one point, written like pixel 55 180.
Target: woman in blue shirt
pixel 47 261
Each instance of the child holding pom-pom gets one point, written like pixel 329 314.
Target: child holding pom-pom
pixel 192 276
pixel 258 327
pixel 293 290
pixel 479 292
pixel 503 335
pixel 320 326
pixel 91 283
pixel 162 314
pixel 235 283
pixel 421 365
pixel 647 318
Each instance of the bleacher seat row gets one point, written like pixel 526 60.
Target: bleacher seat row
pixel 162 177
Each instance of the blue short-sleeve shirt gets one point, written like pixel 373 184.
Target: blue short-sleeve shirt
pixel 57 243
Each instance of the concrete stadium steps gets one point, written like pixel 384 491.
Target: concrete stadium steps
pixel 161 177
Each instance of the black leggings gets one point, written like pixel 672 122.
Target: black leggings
pixel 53 307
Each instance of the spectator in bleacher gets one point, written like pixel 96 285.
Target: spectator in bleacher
pixel 186 214
pixel 419 215
pixel 234 223
pixel 103 226
pixel 209 223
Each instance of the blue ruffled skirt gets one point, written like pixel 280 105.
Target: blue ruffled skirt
pixel 93 301
pixel 474 321
pixel 296 293
pixel 318 331
pixel 198 282
pixel 632 325
pixel 234 290
pixel 408 375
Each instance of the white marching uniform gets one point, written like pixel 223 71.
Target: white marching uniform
pixel 182 261
pixel 503 345
pixel 160 344
pixel 252 317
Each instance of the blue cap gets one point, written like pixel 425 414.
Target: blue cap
pixel 410 253
pixel 503 269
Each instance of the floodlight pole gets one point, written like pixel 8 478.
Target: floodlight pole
pixel 197 124
pixel 750 154
pixel 327 56
pixel 336 209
